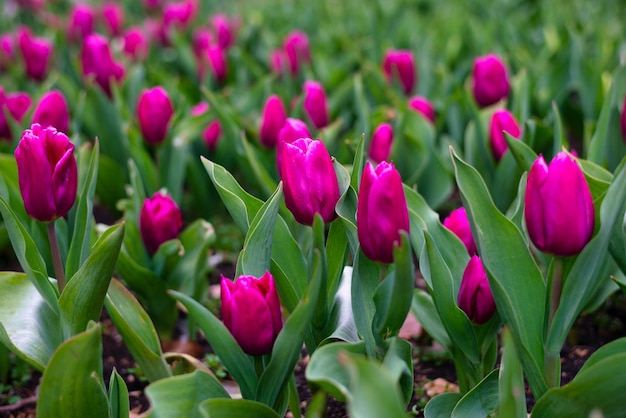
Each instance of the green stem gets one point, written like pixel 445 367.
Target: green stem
pixel 259 365
pixel 552 365
pixel 56 257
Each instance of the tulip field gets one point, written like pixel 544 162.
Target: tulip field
pixel 272 209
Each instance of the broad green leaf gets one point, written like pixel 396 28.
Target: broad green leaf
pixel 512 395
pixel 174 156
pixel 442 405
pixel 365 276
pixel 28 326
pixel 136 328
pixel 614 347
pixel 515 280
pixel 423 307
pixel 559 133
pixel 181 396
pixel 119 403
pixel 436 182
pixel 412 147
pixel 336 253
pixel 399 362
pixel 264 179
pixel 524 155
pixel 72 384
pixel 236 408
pixel 84 294
pixel 481 401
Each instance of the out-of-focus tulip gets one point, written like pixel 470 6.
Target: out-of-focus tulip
pixel 502 121
pixel 154 113
pixel 200 109
pixel 558 206
pixel 458 223
pixel 201 41
pixel 490 80
pixel 36 53
pixel 292 129
pixel 274 117
pixel 225 29
pixel 80 22
pixel 623 121
pixel 278 61
pixel 160 220
pixel 380 146
pixel 309 179
pixel 382 211
pixel 296 47
pixel 179 14
pixel 32 5
pixel 212 135
pixel 136 45
pixel 315 104
pixel 7 53
pixel 47 172
pixel 98 61
pixel 216 59
pixel 421 105
pixel 400 65
pixel 251 312
pixel 475 297
pixel 152 5
pixel 52 111
pixel 17 104
pixel 113 17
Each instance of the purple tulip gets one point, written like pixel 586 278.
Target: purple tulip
pixel 251 312
pixel 502 121
pixel 292 129
pixel 400 65
pixel 160 220
pixel 558 207
pixel 296 47
pixel 136 45
pixel 7 50
pixel 490 80
pixel 212 135
pixel 36 53
pixel 224 28
pixel 382 211
pixel 315 104
pixel 52 111
pixel 113 17
pixel 421 105
pixel 80 22
pixel 309 179
pixel 17 104
pixel 458 223
pixel 47 172
pixel 274 117
pixel 154 112
pixel 278 61
pixel 475 297
pixel 380 146
pixel 201 41
pixel 215 58
pixel 97 60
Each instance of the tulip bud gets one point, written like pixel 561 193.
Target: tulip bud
pixel 296 47
pixel 7 54
pixel 490 80
pixel 502 121
pixel 216 58
pixel 382 211
pixel 154 112
pixel 278 61
pixel 251 312
pixel 623 121
pixel 160 220
pixel 274 117
pixel 36 53
pixel 97 60
pixel 113 17
pixel 201 41
pixel 422 106
pixel 380 146
pixel 400 65
pixel 212 135
pixel 136 45
pixel 292 129
pixel 224 29
pixel 47 172
pixel 81 22
pixel 458 223
pixel 17 105
pixel 179 15
pixel 309 179
pixel 315 105
pixel 52 111
pixel 475 297
pixel 200 109
pixel 558 206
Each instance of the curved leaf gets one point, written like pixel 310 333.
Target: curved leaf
pixel 236 408
pixel 481 401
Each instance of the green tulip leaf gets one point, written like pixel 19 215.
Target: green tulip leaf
pixel 236 408
pixel 181 396
pixel 119 403
pixel 560 141
pixel 442 405
pixel 436 182
pixel 610 349
pixel 336 253
pixel 263 177
pixel 72 384
pixel 523 154
pixel 512 396
pixel 423 307
pixel 174 155
pixel 481 401
pixel 365 277
pixel 412 147
pixel 399 362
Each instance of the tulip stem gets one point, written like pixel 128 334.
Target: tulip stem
pixel 553 360
pixel 56 257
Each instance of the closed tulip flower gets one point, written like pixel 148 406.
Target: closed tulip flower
pixel 113 17
pixel 274 117
pixel 490 80
pixel 558 207
pixel 225 29
pixel 315 104
pixel 160 220
pixel 502 121
pixel 47 172
pixel 135 44
pixel 458 223
pixel 212 135
pixel 154 112
pixel 251 312
pixel 296 47
pixel 97 60
pixel 292 129
pixel 475 297
pixel 380 146
pixel 36 53
pixel 400 65
pixel 422 106
pixel 278 61
pixel 52 111
pixel 17 105
pixel 81 22
pixel 216 58
pixel 382 211
pixel 310 182
pixel 7 50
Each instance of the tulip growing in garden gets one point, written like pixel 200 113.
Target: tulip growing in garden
pixel 16 104
pixel 274 117
pixel 251 312
pixel 490 80
pixel 310 182
pixel 7 50
pixel 52 111
pixel 81 22
pixel 154 113
pixel 224 29
pixel 421 105
pixel 400 65
pixel 380 145
pixel 212 134
pixel 502 121
pixel 215 57
pixel 458 223
pixel 475 297
pixel 315 104
pixel 36 53
pixel 558 207
pixel 135 44
pixel 382 211
pixel 113 17
pixel 160 220
pixel 97 61
pixel 297 50
pixel 292 129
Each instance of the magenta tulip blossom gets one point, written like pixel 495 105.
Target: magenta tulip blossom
pixel 160 220
pixel 315 104
pixel 113 17
pixel 274 117
pixel 422 106
pixel 36 53
pixel 490 80
pixel 16 104
pixel 154 112
pixel 52 111
pixel 97 61
pixel 212 135
pixel 81 21
pixel 292 129
pixel 502 121
pixel 475 297
pixel 458 223
pixel 297 50
pixel 400 65
pixel 382 140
